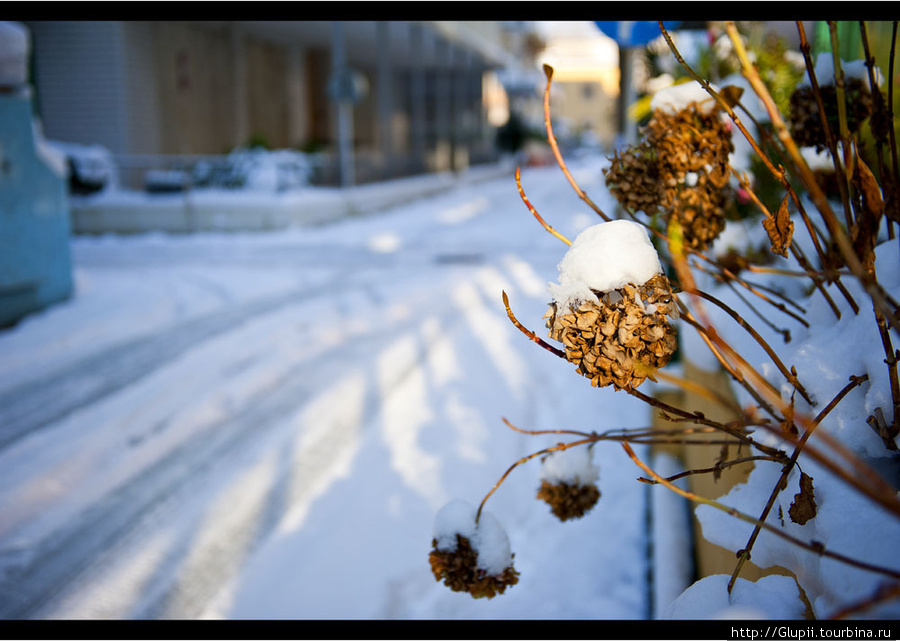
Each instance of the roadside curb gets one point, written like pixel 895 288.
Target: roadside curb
pixel 217 210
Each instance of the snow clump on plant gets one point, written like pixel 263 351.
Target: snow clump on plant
pixel 471 553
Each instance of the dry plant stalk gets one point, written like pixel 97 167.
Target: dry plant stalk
pixel 650 178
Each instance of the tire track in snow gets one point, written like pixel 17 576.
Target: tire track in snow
pixel 31 585
pixel 33 405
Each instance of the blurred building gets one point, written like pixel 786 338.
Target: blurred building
pixel 392 98
pixel 585 87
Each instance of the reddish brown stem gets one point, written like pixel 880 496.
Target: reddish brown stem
pixel 548 71
pixel 534 211
pixel 531 335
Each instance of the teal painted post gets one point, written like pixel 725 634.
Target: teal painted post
pixel 35 259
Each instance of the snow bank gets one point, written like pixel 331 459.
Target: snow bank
pixel 602 258
pixel 93 164
pixel 773 597
pixel 846 522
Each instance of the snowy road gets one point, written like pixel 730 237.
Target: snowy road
pixel 263 425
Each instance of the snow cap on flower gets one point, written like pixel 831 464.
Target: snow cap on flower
pixel 487 536
pixel 678 97
pixel 611 305
pixel 573 465
pixel 568 482
pixel 471 556
pixel 602 258
pixel 456 517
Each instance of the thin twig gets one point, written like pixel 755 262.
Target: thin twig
pixel 548 71
pixel 744 554
pixel 716 468
pixel 839 173
pixel 531 335
pixel 843 129
pixel 542 432
pixel 878 99
pixel 890 112
pixel 882 595
pixel 861 477
pixel 555 448
pixel 699 418
pixel 890 360
pixel 788 373
pixel 534 211
pixel 813 546
pixel 785 333
pixel 701 390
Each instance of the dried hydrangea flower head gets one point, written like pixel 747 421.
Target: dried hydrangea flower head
pixel 633 178
pixel 681 167
pixel 804 120
pixel 611 306
pixel 471 556
pixel 569 482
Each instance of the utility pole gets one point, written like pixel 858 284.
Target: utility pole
pixel 343 103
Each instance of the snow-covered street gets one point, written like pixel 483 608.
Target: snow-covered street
pixel 264 425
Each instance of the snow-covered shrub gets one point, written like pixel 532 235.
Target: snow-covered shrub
pixel 91 167
pixel 272 171
pixel 254 169
pixel 793 296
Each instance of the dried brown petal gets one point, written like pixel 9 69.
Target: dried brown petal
pixel 803 507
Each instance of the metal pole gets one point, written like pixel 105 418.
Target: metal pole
pixel 417 96
pixel 628 94
pixel 344 107
pixel 385 79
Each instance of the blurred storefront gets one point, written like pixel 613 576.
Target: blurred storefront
pixel 400 97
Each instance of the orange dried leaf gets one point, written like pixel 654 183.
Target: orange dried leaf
pixel 780 229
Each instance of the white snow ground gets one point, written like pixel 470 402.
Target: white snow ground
pixel 264 425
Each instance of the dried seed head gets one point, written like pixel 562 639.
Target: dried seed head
pixel 805 122
pixel 471 555
pixel 568 500
pixel 680 169
pixel 621 340
pixel 632 179
pixel 459 570
pixel 693 147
